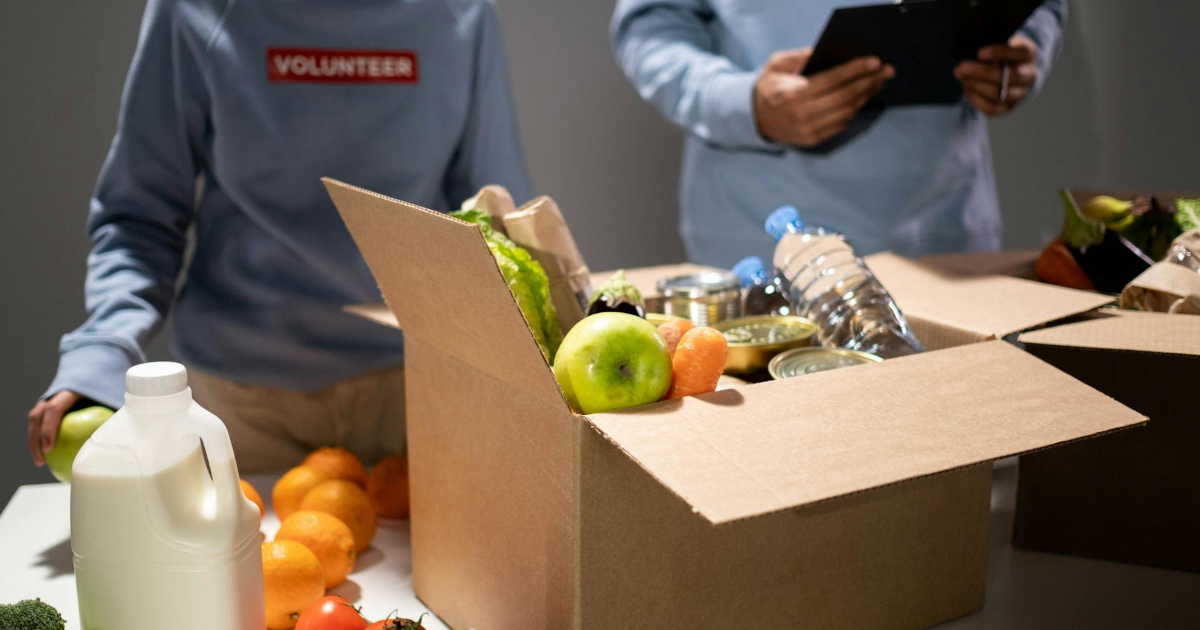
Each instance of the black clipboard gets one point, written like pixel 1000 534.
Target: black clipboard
pixel 922 39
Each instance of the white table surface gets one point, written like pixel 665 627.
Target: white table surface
pixel 1026 590
pixel 35 557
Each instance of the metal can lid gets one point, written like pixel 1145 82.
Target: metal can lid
pixel 766 330
pixel 801 361
pixel 701 284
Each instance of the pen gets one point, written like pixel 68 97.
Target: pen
pixel 1004 72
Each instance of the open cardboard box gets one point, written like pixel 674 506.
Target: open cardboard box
pixel 1133 497
pixel 856 498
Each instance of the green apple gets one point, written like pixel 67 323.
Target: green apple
pixel 611 361
pixel 75 429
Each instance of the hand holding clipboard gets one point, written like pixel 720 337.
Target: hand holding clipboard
pixel 807 111
pixel 927 40
pixel 1001 78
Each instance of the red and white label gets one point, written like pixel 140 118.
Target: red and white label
pixel 315 65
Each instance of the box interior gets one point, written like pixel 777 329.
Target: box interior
pixel 948 306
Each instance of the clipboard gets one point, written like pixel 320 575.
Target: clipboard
pixel 924 40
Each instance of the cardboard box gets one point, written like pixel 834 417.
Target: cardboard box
pixel 1133 497
pixel 966 298
pixel 856 498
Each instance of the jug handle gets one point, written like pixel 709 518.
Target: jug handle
pixel 221 462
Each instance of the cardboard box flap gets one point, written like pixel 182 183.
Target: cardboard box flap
pixel 439 278
pixel 751 451
pixel 1137 332
pixel 993 305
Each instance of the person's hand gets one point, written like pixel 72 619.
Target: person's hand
pixel 44 419
pixel 981 79
pixel 806 111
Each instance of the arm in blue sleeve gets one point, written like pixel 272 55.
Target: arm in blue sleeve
pixel 667 51
pixel 490 149
pixel 140 213
pixel 1045 28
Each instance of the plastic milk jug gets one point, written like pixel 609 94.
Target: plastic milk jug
pixel 159 540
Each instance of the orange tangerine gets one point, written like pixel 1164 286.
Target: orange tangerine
pixel 349 503
pixel 387 485
pixel 338 463
pixel 327 537
pixel 672 331
pixel 292 579
pixel 254 496
pixel 291 488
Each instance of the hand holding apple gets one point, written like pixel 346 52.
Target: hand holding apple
pixel 75 429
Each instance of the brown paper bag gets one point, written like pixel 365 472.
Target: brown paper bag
pixel 1172 285
pixel 540 228
pixel 496 201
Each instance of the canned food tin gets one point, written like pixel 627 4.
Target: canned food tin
pixel 705 298
pixel 754 341
pixel 803 361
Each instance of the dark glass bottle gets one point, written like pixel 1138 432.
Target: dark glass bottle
pixel 761 295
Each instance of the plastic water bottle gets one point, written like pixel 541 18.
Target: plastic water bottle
pixel 827 283
pixel 162 540
pixel 762 294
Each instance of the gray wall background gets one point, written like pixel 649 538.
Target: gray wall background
pixel 1120 110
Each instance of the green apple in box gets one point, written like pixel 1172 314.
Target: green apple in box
pixel 611 361
pixel 75 429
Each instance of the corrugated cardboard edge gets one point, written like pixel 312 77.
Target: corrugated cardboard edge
pixel 857 492
pixel 806 504
pixel 1112 334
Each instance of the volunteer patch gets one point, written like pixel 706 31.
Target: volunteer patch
pixel 314 65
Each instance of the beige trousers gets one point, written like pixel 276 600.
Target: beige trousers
pixel 273 429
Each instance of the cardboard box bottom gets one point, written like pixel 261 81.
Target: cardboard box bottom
pixel 901 557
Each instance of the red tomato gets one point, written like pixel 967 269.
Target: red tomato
pixel 331 613
pixel 396 623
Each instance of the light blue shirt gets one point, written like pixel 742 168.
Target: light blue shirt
pixel 915 180
pixel 215 132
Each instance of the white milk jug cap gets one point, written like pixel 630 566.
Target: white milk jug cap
pixel 158 378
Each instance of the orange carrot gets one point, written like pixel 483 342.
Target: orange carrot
pixel 698 362
pixel 673 330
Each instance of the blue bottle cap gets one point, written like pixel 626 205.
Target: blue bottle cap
pixel 782 221
pixel 749 269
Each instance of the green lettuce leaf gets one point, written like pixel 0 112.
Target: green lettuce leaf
pixel 1187 215
pixel 526 280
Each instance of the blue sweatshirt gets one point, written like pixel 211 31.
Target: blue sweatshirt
pixel 232 111
pixel 916 180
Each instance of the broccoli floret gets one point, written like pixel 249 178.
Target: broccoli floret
pixel 31 614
